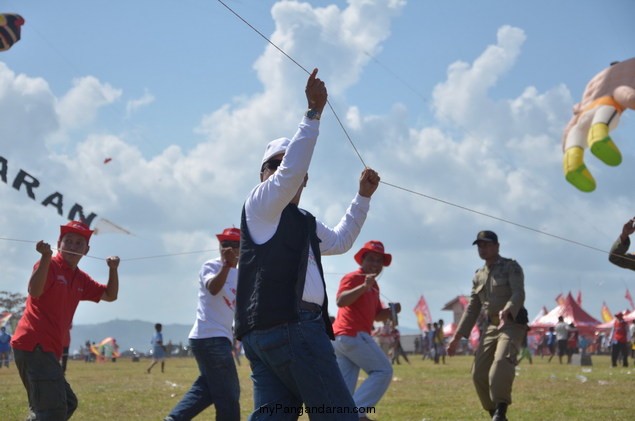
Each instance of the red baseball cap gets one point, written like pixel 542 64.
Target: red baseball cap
pixel 76 227
pixel 619 314
pixel 229 234
pixel 375 246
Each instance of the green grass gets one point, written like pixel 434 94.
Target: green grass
pixel 421 391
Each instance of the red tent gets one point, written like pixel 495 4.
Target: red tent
pixel 571 311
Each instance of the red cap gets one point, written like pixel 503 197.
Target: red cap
pixel 619 314
pixel 229 234
pixel 375 246
pixel 78 228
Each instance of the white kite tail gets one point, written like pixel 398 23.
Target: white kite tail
pixel 103 226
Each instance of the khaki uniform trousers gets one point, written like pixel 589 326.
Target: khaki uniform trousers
pixel 495 364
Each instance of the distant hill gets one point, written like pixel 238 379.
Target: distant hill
pixel 128 333
pixel 137 334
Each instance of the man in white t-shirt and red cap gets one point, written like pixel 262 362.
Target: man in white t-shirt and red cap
pixel 211 337
pixel 359 307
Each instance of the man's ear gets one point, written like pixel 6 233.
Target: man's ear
pixel 87 249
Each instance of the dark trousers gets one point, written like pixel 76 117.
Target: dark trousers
pixel 50 396
pixel 619 348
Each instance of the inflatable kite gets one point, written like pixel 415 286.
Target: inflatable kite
pixel 106 349
pixel 605 97
pixel 10 24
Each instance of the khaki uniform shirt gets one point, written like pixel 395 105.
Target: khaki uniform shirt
pixel 618 254
pixel 495 288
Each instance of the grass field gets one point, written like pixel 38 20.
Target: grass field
pixel 421 391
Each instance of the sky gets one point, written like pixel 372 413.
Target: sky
pixel 459 105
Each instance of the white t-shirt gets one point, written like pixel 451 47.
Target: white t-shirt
pixel 562 331
pixel 215 313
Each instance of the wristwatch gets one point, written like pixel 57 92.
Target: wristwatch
pixel 312 114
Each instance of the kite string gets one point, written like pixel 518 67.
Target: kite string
pixel 630 257
pixel 301 67
pixel 52 248
pixel 158 256
pixel 403 188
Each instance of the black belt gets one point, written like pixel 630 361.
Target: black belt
pixel 312 307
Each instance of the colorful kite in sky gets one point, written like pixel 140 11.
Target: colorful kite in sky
pixel 10 24
pixel 605 97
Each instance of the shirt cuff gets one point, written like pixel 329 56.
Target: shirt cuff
pixel 361 200
pixel 312 123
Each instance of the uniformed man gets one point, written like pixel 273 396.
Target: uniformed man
pixel 618 255
pixel 498 292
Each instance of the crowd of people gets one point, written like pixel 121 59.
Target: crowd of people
pixel 267 291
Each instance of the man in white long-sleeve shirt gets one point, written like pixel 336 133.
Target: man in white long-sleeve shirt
pixel 281 302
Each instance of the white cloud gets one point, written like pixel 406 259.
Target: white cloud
pixel 79 106
pixel 135 104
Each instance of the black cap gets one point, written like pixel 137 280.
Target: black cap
pixel 489 236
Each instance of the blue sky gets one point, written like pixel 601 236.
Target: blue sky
pixel 463 101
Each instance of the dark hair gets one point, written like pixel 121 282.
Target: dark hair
pixel 158 326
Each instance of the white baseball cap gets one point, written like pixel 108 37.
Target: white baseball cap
pixel 275 147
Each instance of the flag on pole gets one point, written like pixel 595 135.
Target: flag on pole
pixel 579 299
pixel 4 318
pixel 606 314
pixel 560 300
pixel 629 298
pixel 423 313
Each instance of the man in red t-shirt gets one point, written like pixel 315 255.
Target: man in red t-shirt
pixel 55 288
pixel 359 306
pixel 619 340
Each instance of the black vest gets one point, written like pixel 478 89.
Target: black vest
pixel 271 275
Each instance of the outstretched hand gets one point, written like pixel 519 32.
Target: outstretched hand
pixel 368 182
pixel 315 91
pixel 628 229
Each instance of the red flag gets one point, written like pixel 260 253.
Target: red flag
pixel 579 299
pixel 463 300
pixel 606 314
pixel 629 298
pixel 423 313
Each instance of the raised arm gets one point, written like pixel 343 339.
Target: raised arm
pixel 349 296
pixel 279 186
pixel 340 239
pixel 230 259
pixel 112 288
pixel 618 255
pixel 39 275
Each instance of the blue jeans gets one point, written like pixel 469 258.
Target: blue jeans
pixel 50 396
pixel 217 385
pixel 292 364
pixel 362 352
